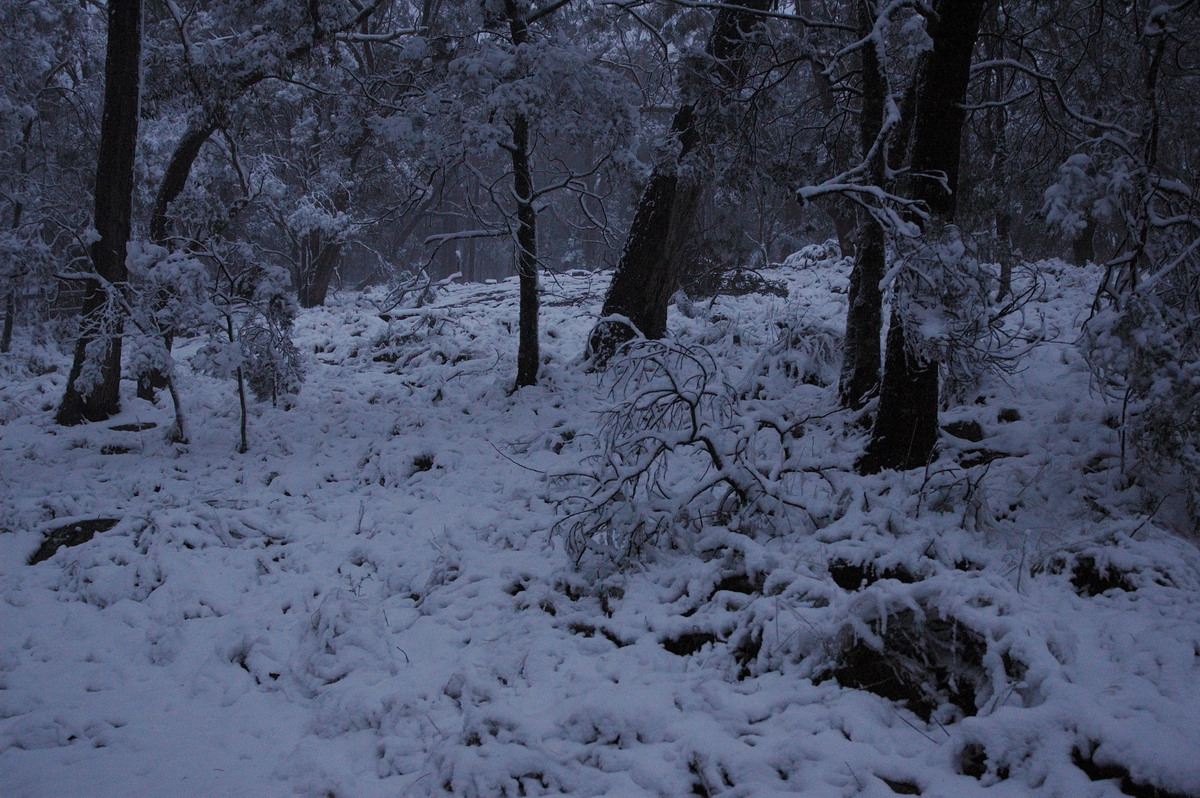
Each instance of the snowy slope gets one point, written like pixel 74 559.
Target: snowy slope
pixel 371 601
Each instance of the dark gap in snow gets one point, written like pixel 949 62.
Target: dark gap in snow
pixel 972 760
pixel 924 662
pixel 740 583
pixel 901 787
pixel 587 630
pixel 688 643
pixel 966 429
pixel 138 426
pixel 1089 577
pixel 855 576
pixel 1008 415
pixel 72 534
pixel 421 462
pixel 115 448
pixel 1106 771
pixel 745 651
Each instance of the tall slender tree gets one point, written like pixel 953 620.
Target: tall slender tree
pixel 906 430
pixel 93 386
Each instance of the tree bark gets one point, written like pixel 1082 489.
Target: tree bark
pixel 113 209
pixel 1005 254
pixel 10 298
pixel 10 314
pixel 527 263
pixel 864 315
pixel 648 271
pixel 1083 246
pixel 319 261
pixel 906 425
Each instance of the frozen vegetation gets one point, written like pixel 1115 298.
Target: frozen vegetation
pixel 417 583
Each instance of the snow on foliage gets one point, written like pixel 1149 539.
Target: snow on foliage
pixel 372 601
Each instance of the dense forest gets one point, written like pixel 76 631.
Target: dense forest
pixel 599 397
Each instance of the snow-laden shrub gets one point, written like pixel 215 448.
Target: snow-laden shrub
pixel 410 289
pixel 431 348
pixel 809 256
pixel 944 294
pixel 170 294
pixel 802 353
pixel 678 452
pixel 1146 354
pixel 252 339
pixel 1084 191
pixel 272 364
pixel 946 645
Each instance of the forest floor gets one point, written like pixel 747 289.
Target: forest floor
pixel 373 601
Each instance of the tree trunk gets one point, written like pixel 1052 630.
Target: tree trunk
pixel 527 266
pixel 527 262
pixel 864 318
pixel 10 298
pixel 1005 254
pixel 1083 246
pixel 864 315
pixel 179 168
pixel 113 208
pixel 319 261
pixel 844 226
pixel 906 430
pixel 648 272
pixel 10 314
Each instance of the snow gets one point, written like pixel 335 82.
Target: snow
pixel 371 601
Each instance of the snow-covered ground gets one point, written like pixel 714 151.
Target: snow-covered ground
pixel 372 601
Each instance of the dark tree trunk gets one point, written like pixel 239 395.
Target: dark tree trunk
pixel 10 314
pixel 844 227
pixel 10 298
pixel 179 168
pixel 996 139
pixel 319 261
pixel 113 207
pixel 648 272
pixel 864 318
pixel 1005 254
pixel 527 265
pixel 906 428
pixel 527 261
pixel 864 315
pixel 1083 246
pixel 841 211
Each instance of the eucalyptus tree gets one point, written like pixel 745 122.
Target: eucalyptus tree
pixel 531 112
pixel 93 384
pixel 648 271
pixel 208 66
